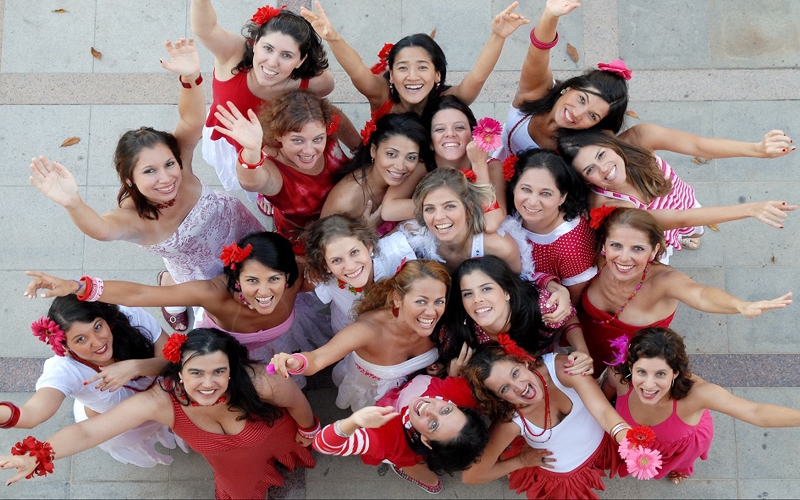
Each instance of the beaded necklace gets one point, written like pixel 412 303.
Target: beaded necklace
pixel 162 206
pixel 547 417
pixel 354 290
pixel 221 399
pixel 632 295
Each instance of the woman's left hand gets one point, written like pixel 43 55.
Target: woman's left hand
pixel 754 309
pixel 51 286
pixel 775 144
pixel 184 59
pixel 559 299
pixel 303 441
pixel 25 464
pixel 771 213
pixel 579 363
pixel 508 21
pixel 246 130
pixel 114 376
pixel 457 364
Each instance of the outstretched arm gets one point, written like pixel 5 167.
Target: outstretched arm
pixel 772 213
pixel 707 395
pixel 349 339
pixel 503 25
pixel 227 47
pixel 39 408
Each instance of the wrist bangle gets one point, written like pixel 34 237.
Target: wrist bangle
pixel 571 327
pixel 15 413
pixel 189 85
pixel 304 362
pixel 94 289
pixel 618 428
pixel 87 284
pixel 35 448
pixel 541 45
pixel 251 166
pixel 337 428
pixel 491 207
pixel 312 431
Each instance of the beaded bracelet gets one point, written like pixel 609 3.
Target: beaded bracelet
pixel 337 428
pixel 303 360
pixel 312 431
pixel 15 413
pixel 540 44
pixel 251 166
pixel 35 448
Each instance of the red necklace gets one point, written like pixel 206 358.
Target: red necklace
pixel 162 206
pixel 619 311
pixel 221 399
pixel 353 290
pixel 98 370
pixel 547 418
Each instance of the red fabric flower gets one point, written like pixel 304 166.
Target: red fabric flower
pixel 265 13
pixel 469 174
pixel 400 267
pixel 50 333
pixel 617 66
pixel 487 134
pixel 333 126
pixel 597 215
pixel 172 348
pixel 511 347
pixel 383 59
pixel 641 436
pixel 367 131
pixel 35 448
pixel 508 167
pixel 232 255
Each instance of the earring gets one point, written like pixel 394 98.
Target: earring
pixel 563 91
pixel 465 321
pixel 395 311
pixel 180 381
pixel 129 183
pixel 237 287
pixel 436 86
pixel 673 382
pixel 286 285
pixel 603 253
pixel 391 90
pixel 371 159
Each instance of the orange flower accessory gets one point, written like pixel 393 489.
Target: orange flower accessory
pixel 383 59
pixel 597 215
pixel 641 436
pixel 367 131
pixel 508 167
pixel 265 13
pixel 232 255
pixel 172 348
pixel 469 174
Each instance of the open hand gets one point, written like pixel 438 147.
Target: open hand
pixel 372 417
pixel 55 181
pixel 183 57
pixel 771 213
pixel 508 21
pixel 320 22
pixel 558 8
pixel 246 131
pixel 754 309
pixel 25 464
pixel 50 286
pixel 533 457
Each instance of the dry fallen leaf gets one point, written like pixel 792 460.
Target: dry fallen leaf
pixel 97 55
pixel 699 160
pixel 433 33
pixel 632 114
pixel 773 259
pixel 572 52
pixel 70 141
pixel 60 11
pixel 713 227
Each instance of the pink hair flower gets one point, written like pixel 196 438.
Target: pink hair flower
pixel 643 463
pixel 620 347
pixel 487 134
pixel 50 333
pixel 618 67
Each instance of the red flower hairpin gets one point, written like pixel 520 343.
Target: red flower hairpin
pixel 620 346
pixel 509 164
pixel 400 267
pixel 383 59
pixel 265 13
pixel 511 347
pixel 232 255
pixel 598 215
pixel 487 134
pixel 367 131
pixel 50 333
pixel 333 126
pixel 469 174
pixel 618 67
pixel 172 348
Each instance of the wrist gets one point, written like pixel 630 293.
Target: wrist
pixel 191 80
pixel 251 159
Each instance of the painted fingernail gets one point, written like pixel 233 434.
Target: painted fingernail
pixel 784 150
pixel 565 371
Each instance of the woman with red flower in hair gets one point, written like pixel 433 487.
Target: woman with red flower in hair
pixel 257 300
pixel 242 420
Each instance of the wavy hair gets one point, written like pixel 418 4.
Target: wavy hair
pixel 328 229
pixel 641 220
pixel 290 112
pixel 380 295
pixel 472 196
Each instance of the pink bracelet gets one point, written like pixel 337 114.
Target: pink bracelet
pixel 311 432
pixel 302 368
pixel 541 45
pixel 97 290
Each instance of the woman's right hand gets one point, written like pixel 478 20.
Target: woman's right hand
pixel 320 22
pixel 246 131
pixel 558 8
pixel 372 417
pixel 55 181
pixel 771 213
pixel 458 364
pixel 183 57
pixel 283 362
pixel 25 464
pixel 51 286
pixel 534 457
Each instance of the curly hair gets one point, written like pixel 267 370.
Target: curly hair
pixel 610 87
pixel 640 220
pixel 472 196
pixel 329 229
pixel 640 164
pixel 293 25
pixel 130 342
pixel 290 112
pixel 664 343
pixel 457 454
pixel 566 179
pixel 270 250
pixel 380 295
pixel 241 391
pixel 126 155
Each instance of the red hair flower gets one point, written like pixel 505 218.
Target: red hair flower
pixel 400 267
pixel 598 215
pixel 469 174
pixel 172 348
pixel 511 347
pixel 232 255
pixel 641 436
pixel 383 59
pixel 265 13
pixel 35 448
pixel 508 167
pixel 487 134
pixel 367 131
pixel 617 66
pixel 50 333
pixel 333 126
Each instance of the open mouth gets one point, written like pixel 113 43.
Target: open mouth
pixel 396 175
pixel 611 175
pixel 528 393
pixel 168 189
pixel 451 145
pixel 649 395
pixel 482 311
pixel 414 88
pixel 532 211
pixel 102 350
pixel 419 405
pixel 265 302
pixel 624 269
pixel 306 159
pixel 568 117
pixel 426 322
pixel 444 228
pixel 355 274
pixel 268 72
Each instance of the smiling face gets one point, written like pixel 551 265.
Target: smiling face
pixel 628 251
pixel 413 74
pixel 157 174
pixel 485 301
pixel 445 215
pixel 349 260
pixel 262 286
pixel 514 382
pixel 395 158
pixel 435 419
pixel 275 56
pixel 651 379
pixel 91 342
pixel 450 134
pixel 578 109
pixel 537 198
pixel 600 166
pixel 205 377
pixel 422 306
pixel 305 148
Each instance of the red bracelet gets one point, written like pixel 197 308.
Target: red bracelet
pixel 87 283
pixel 490 208
pixel 541 45
pixel 35 448
pixel 571 327
pixel 189 85
pixel 312 431
pixel 15 413
pixel 251 166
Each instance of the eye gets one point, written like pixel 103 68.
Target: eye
pixel 583 100
pixel 252 280
pixel 466 294
pixel 170 163
pixel 515 373
pixel 297 141
pixel 335 261
pixel 80 340
pixel 486 289
pixel 434 425
pixel 288 55
pixel 420 302
pixel 440 302
pixel 461 127
pixel 593 116
pixel 615 245
pixel 391 154
pixel 355 252
pixel 267 48
pixel 446 410
pixel 319 139
pixel 525 189
pixel 428 210
pixel 412 158
pixel 149 171
pixel 450 206
pixel 423 67
pixel 588 171
pixel 502 390
pixel 274 279
pixel 439 129
pixel 544 193
pixel 98 326
pixel 638 249
pixel 600 155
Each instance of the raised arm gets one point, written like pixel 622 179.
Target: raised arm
pixel 593 399
pixel 503 25
pixel 227 47
pixel 536 78
pixel 349 339
pixel 653 138
pixel 185 62
pixel 373 87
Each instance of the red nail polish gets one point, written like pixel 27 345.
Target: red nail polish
pixel 781 227
pixel 85 383
pixel 565 371
pixel 784 150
